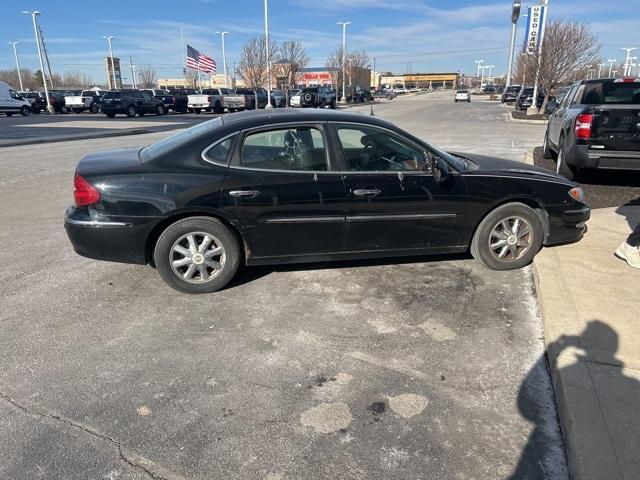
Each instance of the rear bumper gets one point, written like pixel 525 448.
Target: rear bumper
pixel 107 238
pixel 567 225
pixel 583 156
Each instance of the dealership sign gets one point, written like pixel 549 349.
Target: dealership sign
pixel 535 29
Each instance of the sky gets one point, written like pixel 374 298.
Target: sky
pixel 420 35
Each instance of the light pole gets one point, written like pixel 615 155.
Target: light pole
pixel 489 67
pixel 133 76
pixel 626 62
pixel 113 65
pixel 224 58
pixel 575 74
pixel 600 65
pixel 515 15
pixel 611 61
pixel 344 61
pixel 34 14
pixel 15 53
pixel 266 37
pixel 479 65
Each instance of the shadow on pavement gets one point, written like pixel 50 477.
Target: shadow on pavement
pixel 599 344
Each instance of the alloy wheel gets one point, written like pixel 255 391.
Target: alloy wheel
pixel 197 257
pixel 510 239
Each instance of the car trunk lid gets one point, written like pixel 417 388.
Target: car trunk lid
pixel 616 127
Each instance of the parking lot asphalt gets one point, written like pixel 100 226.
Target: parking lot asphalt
pixel 431 368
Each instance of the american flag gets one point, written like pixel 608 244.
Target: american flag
pixel 200 61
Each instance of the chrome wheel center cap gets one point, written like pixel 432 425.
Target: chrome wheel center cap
pixel 198 259
pixel 512 240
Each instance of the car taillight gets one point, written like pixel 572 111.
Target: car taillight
pixel 51 101
pixel 83 192
pixel 209 99
pixel 173 99
pixel 583 125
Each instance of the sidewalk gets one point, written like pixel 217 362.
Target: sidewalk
pixel 590 303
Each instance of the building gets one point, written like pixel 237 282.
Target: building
pixel 116 65
pixel 206 81
pixel 420 80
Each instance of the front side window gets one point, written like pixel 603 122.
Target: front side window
pixel 15 95
pixel 369 149
pixel 294 148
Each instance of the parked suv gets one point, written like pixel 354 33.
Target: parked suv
pixel 595 126
pixel 525 98
pixel 36 99
pixel 510 94
pixel 318 97
pixel 131 102
pixel 250 97
pixel 168 100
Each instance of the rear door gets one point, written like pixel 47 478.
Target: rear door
pixel 283 190
pixel 393 201
pixel 555 119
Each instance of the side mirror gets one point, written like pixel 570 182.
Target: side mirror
pixel 551 107
pixel 441 170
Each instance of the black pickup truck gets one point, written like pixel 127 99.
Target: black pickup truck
pixel 596 125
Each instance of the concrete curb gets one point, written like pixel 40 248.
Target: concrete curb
pixel 71 137
pixel 530 122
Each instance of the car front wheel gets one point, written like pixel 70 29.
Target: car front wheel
pixel 131 111
pixel 197 255
pixel 25 111
pixel 508 238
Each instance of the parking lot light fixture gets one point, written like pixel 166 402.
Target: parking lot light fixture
pixel 344 61
pixel 34 14
pixel 626 61
pixel 15 53
pixel 113 66
pixel 611 62
pixel 224 58
pixel 515 15
pixel 600 65
pixel 268 53
pixel 479 65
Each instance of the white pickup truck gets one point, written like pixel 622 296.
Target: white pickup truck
pixel 216 100
pixel 87 100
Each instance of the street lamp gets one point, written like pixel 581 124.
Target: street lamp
pixel 626 62
pixel 575 74
pixel 479 65
pixel 515 15
pixel 34 14
pixel 224 58
pixel 344 61
pixel 133 76
pixel 113 65
pixel 611 62
pixel 266 36
pixel 15 53
pixel 600 65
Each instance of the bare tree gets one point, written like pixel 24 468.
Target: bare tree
pixel 253 63
pixel 147 76
pixel 567 48
pixel 334 65
pixel 292 59
pixel 74 78
pixel 359 68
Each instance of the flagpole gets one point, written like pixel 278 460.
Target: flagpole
pixel 184 58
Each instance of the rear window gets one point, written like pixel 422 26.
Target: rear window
pixel 612 93
pixel 461 91
pixel 178 140
pixel 112 95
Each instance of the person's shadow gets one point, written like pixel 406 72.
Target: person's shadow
pixel 543 456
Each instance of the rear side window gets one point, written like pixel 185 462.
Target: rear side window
pixel 296 148
pixel 219 152
pixel 109 95
pixel 613 93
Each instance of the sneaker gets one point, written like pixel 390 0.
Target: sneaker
pixel 630 254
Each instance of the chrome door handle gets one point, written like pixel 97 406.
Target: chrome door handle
pixel 366 192
pixel 244 193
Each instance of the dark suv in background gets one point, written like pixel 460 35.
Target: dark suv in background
pixel 131 102
pixel 510 93
pixel 596 125
pixel 250 97
pixel 525 98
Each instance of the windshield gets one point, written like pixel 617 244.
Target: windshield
pixel 616 93
pixel 178 140
pixel 109 95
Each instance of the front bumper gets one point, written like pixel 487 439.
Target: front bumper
pixel 112 239
pixel 567 225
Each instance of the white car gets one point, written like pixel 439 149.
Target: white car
pixel 11 102
pixel 462 96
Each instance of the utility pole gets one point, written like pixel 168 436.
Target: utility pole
pixel 224 58
pixel 113 65
pixel 46 56
pixel 34 14
pixel 515 15
pixel 626 62
pixel 266 37
pixel 344 61
pixel 15 53
pixel 611 62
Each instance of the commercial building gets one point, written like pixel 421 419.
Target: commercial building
pixel 418 80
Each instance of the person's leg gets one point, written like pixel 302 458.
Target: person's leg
pixel 630 250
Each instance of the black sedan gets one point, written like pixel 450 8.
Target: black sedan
pixel 288 186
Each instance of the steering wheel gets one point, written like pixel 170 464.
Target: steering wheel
pixel 292 148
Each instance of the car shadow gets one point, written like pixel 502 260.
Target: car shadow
pixel 253 273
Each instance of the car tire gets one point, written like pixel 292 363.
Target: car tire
pixel 217 108
pixel 175 239
pixel 94 108
pixel 25 111
pixel 520 246
pixel 160 110
pixel 110 114
pixel 333 104
pixel 64 110
pixel 546 148
pixel 131 111
pixel 562 168
pixel 469 100
pixel 455 101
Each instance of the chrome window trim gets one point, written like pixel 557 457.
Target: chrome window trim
pixel 203 155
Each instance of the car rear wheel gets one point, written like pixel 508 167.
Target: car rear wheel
pixel 25 111
pixel 508 238
pixel 160 110
pixel 95 108
pixel 64 110
pixel 131 111
pixel 562 168
pixel 197 255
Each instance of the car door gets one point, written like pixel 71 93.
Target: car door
pixel 284 192
pixel 394 203
pixel 555 119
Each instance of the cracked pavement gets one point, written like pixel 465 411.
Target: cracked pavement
pixel 423 369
